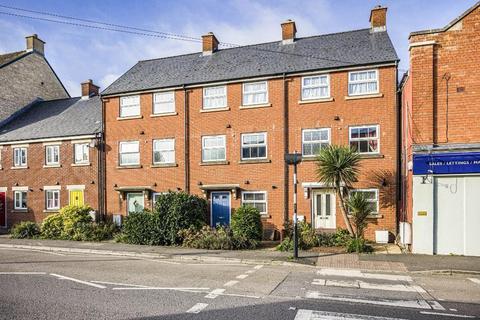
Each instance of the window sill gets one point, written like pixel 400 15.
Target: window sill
pixel 364 96
pixel 309 158
pixel 214 163
pixel 19 210
pixel 18 168
pixel 167 114
pixel 315 101
pixel 254 106
pixel 214 110
pixel 129 118
pixel 51 211
pixel 254 161
pixel 130 167
pixel 52 166
pixel 81 164
pixel 164 165
pixel 265 216
pixel 371 156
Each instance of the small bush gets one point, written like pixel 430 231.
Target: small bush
pixel 137 228
pixel 358 245
pixel 25 230
pixel 307 238
pixel 215 239
pixel 337 239
pixel 246 222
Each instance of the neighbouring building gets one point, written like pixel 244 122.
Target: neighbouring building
pixel 218 123
pixel 26 77
pixel 441 139
pixel 49 157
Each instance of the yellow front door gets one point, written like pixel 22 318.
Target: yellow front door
pixel 76 197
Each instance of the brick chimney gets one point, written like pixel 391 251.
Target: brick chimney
pixel 378 19
pixel 34 43
pixel 288 31
pixel 210 44
pixel 89 89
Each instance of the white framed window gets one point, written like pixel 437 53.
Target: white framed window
pixel 214 148
pixel 129 106
pixel 129 153
pixel 313 140
pixel 156 196
pixel 163 151
pixel 164 102
pixel 215 97
pixel 52 155
pixel 81 151
pixel 255 93
pixel 20 200
pixel 365 139
pixel 362 82
pixel 254 146
pixel 20 157
pixel 316 87
pixel 256 199
pixel 52 199
pixel 371 195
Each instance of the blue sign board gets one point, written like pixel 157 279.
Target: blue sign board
pixel 446 163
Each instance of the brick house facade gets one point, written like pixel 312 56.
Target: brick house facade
pixel 227 117
pixel 441 137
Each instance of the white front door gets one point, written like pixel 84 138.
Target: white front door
pixel 324 209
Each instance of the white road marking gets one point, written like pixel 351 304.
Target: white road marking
pixel 250 271
pixel 339 283
pixel 162 288
pixel 419 304
pixel 447 314
pixel 451 309
pixel 359 274
pixel 303 314
pixel 260 266
pixel 242 276
pixel 475 280
pixel 215 293
pixel 22 273
pixel 239 295
pixel 120 284
pixel 319 282
pixel 230 283
pixel 368 285
pixel 197 308
pixel 435 305
pixel 78 281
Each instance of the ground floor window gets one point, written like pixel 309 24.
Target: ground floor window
pixel 371 195
pixel 52 199
pixel 20 200
pixel 135 202
pixel 256 199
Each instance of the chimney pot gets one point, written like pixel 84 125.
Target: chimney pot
pixel 34 43
pixel 378 19
pixel 210 44
pixel 89 89
pixel 289 31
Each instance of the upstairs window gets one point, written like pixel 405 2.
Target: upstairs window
pixel 129 153
pixel 315 87
pixel 52 155
pixel 365 139
pixel 313 140
pixel 164 151
pixel 215 97
pixel 81 153
pixel 129 106
pixel 20 198
pixel 255 93
pixel 163 102
pixel 362 82
pixel 254 146
pixel 20 157
pixel 213 148
pixel 256 199
pixel 371 195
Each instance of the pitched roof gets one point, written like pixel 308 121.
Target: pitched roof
pixel 353 48
pixel 11 56
pixel 55 118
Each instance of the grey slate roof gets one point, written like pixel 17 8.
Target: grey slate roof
pixel 55 118
pixel 9 57
pixel 353 48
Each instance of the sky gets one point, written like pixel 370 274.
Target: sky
pixel 77 53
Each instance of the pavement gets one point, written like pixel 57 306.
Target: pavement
pixel 39 283
pixel 386 262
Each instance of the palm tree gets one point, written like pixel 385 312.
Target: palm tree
pixel 360 208
pixel 338 167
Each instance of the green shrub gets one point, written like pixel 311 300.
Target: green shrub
pixel 246 222
pixel 25 230
pixel 307 238
pixel 52 227
pixel 337 239
pixel 94 231
pixel 358 245
pixel 215 239
pixel 173 212
pixel 286 245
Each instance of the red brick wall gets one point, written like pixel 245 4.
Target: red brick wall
pixel 266 176
pixel 35 177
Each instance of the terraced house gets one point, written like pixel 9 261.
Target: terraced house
pixel 218 123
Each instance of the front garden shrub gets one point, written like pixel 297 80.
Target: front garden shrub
pixel 25 230
pixel 307 238
pixel 337 239
pixel 358 245
pixel 246 222
pixel 137 228
pixel 220 238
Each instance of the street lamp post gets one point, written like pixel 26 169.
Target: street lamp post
pixel 294 159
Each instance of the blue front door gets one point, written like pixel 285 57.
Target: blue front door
pixel 220 209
